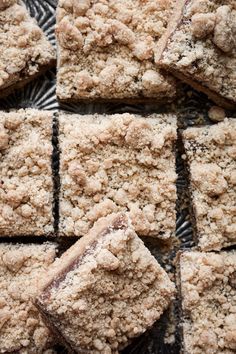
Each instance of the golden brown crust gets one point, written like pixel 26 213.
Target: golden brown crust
pixel 106 290
pixel 208 302
pixel 106 50
pixel 118 163
pixel 21 327
pixel 26 188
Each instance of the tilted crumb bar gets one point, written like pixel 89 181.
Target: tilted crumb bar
pixel 211 156
pixel 21 327
pixel 118 163
pixel 24 49
pixel 106 50
pixel 26 183
pixel 199 47
pixel 208 293
pixel 105 290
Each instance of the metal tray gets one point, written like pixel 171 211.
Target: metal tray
pixel 191 109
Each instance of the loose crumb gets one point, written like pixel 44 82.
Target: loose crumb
pixel 216 114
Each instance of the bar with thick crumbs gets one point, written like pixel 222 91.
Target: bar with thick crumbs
pixel 22 266
pixel 25 52
pixel 26 182
pixel 199 48
pixel 118 163
pixel 211 159
pixel 105 290
pixel 208 295
pixel 106 50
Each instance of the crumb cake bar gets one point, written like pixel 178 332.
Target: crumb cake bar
pixel 106 50
pixel 117 163
pixel 24 49
pixel 199 47
pixel 208 293
pixel 211 156
pixel 105 290
pixel 26 183
pixel 21 327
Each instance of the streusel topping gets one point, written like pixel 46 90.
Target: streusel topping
pixel 26 185
pixel 203 47
pixel 23 46
pixel 111 293
pixel 118 163
pixel 211 153
pixel 107 49
pixel 208 288
pixel 21 327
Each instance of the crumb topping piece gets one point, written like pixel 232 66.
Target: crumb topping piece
pixel 203 46
pixel 208 302
pixel 118 163
pixel 216 114
pixel 26 186
pixel 106 289
pixel 211 154
pixel 21 327
pixel 23 46
pixel 107 49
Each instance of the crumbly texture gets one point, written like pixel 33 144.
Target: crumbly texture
pixel 201 46
pixel 208 291
pixel 106 289
pixel 21 327
pixel 211 155
pixel 24 48
pixel 106 49
pixel 118 163
pixel 26 184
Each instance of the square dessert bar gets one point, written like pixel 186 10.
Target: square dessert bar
pixel 208 293
pixel 211 156
pixel 199 47
pixel 26 182
pixel 105 290
pixel 21 327
pixel 24 49
pixel 106 50
pixel 117 163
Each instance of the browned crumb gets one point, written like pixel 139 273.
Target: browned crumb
pixel 26 185
pixel 118 163
pixel 208 288
pixel 201 47
pixel 216 114
pixel 106 289
pixel 106 49
pixel 211 154
pixel 23 46
pixel 21 327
